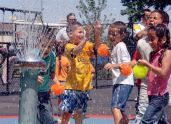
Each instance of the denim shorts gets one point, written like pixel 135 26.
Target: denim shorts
pixel 73 100
pixel 120 95
pixel 155 113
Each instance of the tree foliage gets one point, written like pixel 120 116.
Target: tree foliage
pixel 135 7
pixel 91 10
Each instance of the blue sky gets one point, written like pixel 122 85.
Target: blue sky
pixel 56 10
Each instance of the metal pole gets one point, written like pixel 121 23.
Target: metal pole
pixel 19 10
pixel 41 5
pixel 8 69
pixel 28 99
pixel 96 59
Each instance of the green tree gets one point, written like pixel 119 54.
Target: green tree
pixel 91 10
pixel 135 7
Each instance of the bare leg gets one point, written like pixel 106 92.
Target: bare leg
pixel 65 118
pixel 12 61
pixel 125 118
pixel 78 116
pixel 4 72
pixel 117 115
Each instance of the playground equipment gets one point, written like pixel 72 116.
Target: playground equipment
pixel 27 47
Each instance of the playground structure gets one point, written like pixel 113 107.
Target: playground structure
pixel 9 34
pixel 25 39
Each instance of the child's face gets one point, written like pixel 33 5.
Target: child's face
pixel 114 35
pixel 153 39
pixel 46 47
pixel 77 35
pixel 155 19
pixel 47 50
pixel 146 16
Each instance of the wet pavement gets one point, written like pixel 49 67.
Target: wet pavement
pixel 99 104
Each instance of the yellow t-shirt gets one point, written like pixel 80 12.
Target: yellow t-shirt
pixel 62 68
pixel 80 75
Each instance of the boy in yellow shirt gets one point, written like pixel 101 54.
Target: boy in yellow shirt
pixel 79 79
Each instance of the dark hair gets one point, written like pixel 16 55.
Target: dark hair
pixel 70 14
pixel 119 25
pixel 166 18
pixel 59 52
pixel 145 10
pixel 161 32
pixel 48 32
pixel 73 27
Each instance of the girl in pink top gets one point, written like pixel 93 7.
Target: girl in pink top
pixel 158 76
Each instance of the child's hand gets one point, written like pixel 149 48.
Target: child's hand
pixel 88 28
pixel 40 79
pixel 97 26
pixel 144 62
pixel 109 66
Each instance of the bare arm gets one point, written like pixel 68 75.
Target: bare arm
pixel 88 31
pixel 54 78
pixel 165 66
pixel 141 34
pixel 80 46
pixel 97 33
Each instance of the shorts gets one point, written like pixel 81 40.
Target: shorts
pixel 73 100
pixel 120 95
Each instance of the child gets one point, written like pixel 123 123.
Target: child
pixel 140 28
pixel 143 51
pixel 44 79
pixel 122 85
pixel 61 70
pixel 62 64
pixel 160 70
pixel 78 82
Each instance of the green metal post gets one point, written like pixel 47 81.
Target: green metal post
pixel 28 98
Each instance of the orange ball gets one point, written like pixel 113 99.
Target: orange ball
pixel 125 69
pixel 57 88
pixel 103 50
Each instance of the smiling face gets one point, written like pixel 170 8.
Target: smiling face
pixel 153 39
pixel 77 35
pixel 159 37
pixel 155 42
pixel 114 35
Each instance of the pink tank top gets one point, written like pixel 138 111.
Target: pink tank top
pixel 157 85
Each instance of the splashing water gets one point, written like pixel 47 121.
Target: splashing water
pixel 28 41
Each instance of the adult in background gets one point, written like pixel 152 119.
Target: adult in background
pixel 62 35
